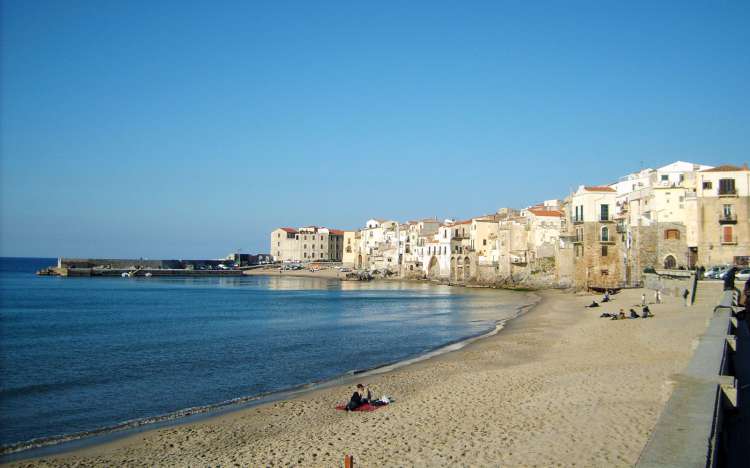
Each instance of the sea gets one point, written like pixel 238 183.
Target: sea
pixel 81 356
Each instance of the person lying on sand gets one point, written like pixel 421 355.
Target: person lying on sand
pixel 593 304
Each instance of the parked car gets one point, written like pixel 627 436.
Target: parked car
pixel 716 272
pixel 743 274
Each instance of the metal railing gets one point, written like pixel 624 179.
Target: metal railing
pixel 728 218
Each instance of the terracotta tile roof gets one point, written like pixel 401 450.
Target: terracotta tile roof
pixel 540 212
pixel 727 168
pixel 467 221
pixel 599 188
pixel 288 229
pixel 336 232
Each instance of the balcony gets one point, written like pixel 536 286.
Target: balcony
pixel 577 220
pixel 727 192
pixel 607 240
pixel 621 228
pixel 606 219
pixel 728 218
pixel 725 240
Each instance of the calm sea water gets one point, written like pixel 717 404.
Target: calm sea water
pixel 78 354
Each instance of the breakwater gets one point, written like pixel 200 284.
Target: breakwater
pixel 145 267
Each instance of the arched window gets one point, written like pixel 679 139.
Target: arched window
pixel 670 263
pixel 672 234
pixel 605 234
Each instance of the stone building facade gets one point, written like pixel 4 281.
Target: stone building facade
pixel 307 244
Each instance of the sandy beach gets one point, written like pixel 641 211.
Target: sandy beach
pixel 558 386
pixel 274 271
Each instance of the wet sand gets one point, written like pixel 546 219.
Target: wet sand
pixel 558 386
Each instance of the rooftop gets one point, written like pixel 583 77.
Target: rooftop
pixel 541 212
pixel 727 168
pixel 598 188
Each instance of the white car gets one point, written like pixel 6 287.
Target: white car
pixel 743 274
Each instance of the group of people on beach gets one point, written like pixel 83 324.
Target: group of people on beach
pixel 363 396
pixel 645 311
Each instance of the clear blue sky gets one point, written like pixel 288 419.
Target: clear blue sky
pixel 189 129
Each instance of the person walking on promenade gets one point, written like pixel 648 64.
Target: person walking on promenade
pixel 686 295
pixel 729 279
pixel 657 296
pixel 643 299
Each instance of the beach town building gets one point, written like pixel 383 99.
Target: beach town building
pixel 655 219
pixel 306 244
pixel 721 212
pixel 544 225
pixel 352 256
pixel 595 241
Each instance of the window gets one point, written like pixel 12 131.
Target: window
pixel 726 187
pixel 604 213
pixel 605 236
pixel 604 251
pixel 727 211
pixel 445 234
pixel 672 234
pixel 664 178
pixel 727 237
pixel 321 254
pixel 484 241
pixel 707 185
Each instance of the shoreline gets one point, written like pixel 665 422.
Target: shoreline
pixel 68 443
pixel 559 385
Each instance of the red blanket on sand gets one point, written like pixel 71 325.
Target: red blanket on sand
pixel 365 407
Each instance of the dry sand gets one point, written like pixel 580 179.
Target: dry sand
pixel 558 387
pixel 274 271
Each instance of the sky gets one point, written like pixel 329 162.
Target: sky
pixel 192 129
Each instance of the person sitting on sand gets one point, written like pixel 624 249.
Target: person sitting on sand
pixel 621 315
pixel 646 312
pixel 357 398
pixel 606 315
pixel 365 392
pixel 634 314
pixel 606 297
